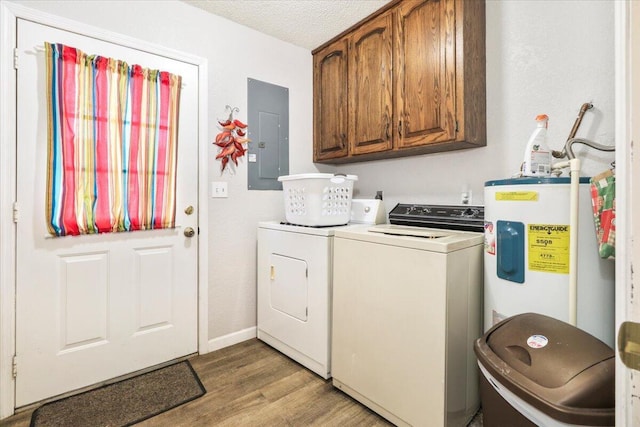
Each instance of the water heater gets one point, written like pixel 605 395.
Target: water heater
pixel 526 255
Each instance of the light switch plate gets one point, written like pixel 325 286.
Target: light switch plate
pixel 219 189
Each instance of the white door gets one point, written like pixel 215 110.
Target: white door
pixel 93 307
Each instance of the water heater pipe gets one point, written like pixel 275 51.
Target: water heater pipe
pixel 569 149
pixel 574 191
pixel 574 165
pixel 583 109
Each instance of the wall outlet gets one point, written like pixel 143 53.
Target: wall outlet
pixel 219 189
pixel 466 197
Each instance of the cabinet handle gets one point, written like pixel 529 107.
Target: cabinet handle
pixel 386 130
pixel 400 128
pixel 343 137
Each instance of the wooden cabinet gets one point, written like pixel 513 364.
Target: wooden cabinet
pixel 330 102
pixel 425 73
pixel 369 85
pixel 414 78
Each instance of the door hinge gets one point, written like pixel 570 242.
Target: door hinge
pixel 16 212
pixel 15 58
pixel 14 367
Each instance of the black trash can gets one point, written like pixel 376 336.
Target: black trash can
pixel 539 371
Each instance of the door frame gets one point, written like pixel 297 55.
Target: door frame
pixel 627 102
pixel 9 14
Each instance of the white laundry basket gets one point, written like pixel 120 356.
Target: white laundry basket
pixel 317 199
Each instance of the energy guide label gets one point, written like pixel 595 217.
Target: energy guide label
pixel 549 248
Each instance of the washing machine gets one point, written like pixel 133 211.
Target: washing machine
pixel 406 312
pixel 294 285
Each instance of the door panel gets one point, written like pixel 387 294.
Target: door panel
pixel 370 77
pixel 84 307
pixel 153 272
pixel 330 101
pixel 425 66
pixel 93 307
pixel 289 286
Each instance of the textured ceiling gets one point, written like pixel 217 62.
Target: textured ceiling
pixel 306 23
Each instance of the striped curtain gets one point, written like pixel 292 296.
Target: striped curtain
pixel 112 144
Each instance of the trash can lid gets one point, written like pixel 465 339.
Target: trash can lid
pixel 559 369
pixel 546 350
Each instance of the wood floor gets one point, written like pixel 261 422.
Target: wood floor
pixel 251 384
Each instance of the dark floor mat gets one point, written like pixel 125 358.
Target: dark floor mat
pixel 126 402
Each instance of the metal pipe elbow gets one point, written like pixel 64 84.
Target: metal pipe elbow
pixel 569 150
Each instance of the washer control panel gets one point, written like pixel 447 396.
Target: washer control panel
pixel 462 217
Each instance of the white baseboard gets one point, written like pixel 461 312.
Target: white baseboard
pixel 233 338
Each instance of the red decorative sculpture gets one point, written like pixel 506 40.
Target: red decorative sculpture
pixel 231 139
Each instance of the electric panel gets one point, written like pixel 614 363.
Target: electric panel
pixel 268 120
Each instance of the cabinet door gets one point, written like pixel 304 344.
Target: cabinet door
pixel 425 73
pixel 370 84
pixel 330 101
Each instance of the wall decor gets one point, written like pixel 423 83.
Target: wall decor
pixel 231 139
pixel 112 144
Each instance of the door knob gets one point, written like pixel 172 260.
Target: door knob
pixel 189 210
pixel 629 344
pixel 189 232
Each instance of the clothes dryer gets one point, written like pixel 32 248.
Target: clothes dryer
pixel 294 290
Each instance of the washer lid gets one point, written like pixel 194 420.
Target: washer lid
pixel 433 240
pixel 400 230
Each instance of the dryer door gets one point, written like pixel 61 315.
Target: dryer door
pixel 289 286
